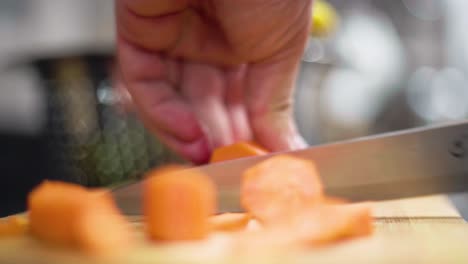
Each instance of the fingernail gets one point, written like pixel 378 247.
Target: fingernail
pixel 300 142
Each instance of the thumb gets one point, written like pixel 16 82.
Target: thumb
pixel 270 87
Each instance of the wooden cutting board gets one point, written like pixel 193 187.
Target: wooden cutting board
pixel 421 230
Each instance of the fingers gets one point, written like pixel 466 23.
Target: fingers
pixel 235 103
pixel 155 33
pixel 174 28
pixel 204 86
pixel 270 87
pixel 198 151
pixel 163 110
pixel 270 105
pixel 155 8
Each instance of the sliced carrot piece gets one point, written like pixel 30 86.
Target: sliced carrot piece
pixel 178 203
pixel 70 215
pixel 280 188
pixel 229 221
pixel 236 151
pixel 13 226
pixel 318 226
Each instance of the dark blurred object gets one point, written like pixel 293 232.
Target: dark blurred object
pixel 87 138
pixel 24 160
pixel 97 144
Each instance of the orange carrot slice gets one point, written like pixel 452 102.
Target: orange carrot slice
pixel 229 221
pixel 285 194
pixel 70 215
pixel 280 188
pixel 321 225
pixel 177 204
pixel 236 151
pixel 13 226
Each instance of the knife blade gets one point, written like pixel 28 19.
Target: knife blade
pixel 407 163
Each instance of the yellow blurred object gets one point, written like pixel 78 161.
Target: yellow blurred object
pixel 324 19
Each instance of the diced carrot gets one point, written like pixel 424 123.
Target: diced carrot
pixel 280 188
pixel 72 216
pixel 177 204
pixel 229 221
pixel 236 151
pixel 13 226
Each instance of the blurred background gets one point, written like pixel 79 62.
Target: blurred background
pixel 370 67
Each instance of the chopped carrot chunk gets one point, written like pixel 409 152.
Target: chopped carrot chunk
pixel 177 204
pixel 70 215
pixel 236 151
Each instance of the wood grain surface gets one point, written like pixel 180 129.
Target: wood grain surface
pixel 420 230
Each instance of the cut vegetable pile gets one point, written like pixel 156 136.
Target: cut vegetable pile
pixel 282 196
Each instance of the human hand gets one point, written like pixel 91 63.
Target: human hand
pixel 203 74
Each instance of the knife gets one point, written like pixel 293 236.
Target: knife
pixel 407 163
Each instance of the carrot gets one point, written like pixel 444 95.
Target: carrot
pixel 236 151
pixel 285 194
pixel 321 225
pixel 13 226
pixel 72 216
pixel 280 188
pixel 229 221
pixel 177 204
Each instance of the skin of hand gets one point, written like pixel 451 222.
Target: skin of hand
pixel 208 73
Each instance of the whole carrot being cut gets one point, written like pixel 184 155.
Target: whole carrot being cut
pixel 236 151
pixel 177 204
pixel 72 216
